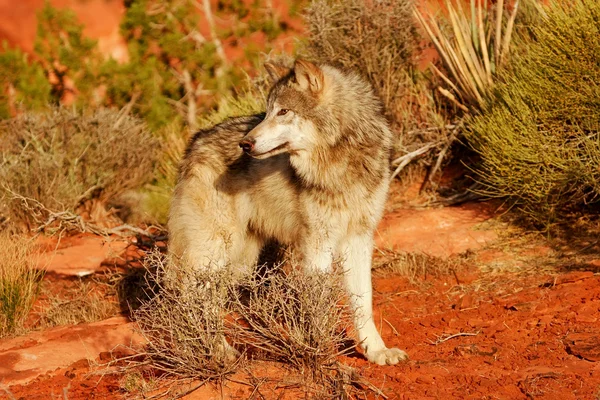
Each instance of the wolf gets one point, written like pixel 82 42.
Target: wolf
pixel 311 172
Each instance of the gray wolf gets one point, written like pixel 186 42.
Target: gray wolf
pixel 312 172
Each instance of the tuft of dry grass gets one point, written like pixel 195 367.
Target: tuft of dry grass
pixel 87 301
pixel 185 329
pixel 379 39
pixel 412 265
pixel 19 282
pixel 376 38
pixel 56 161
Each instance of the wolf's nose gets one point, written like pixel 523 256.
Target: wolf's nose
pixel 247 145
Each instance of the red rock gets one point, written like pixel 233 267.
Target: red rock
pixel 84 256
pixel 584 345
pixel 465 301
pixel 439 232
pixel 60 347
pixel 101 20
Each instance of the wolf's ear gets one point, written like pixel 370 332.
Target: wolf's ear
pixel 309 76
pixel 276 72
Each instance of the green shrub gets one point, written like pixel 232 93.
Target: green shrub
pixel 55 161
pixel 539 136
pixel 66 53
pixel 25 79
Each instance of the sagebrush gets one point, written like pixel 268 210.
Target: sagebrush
pixel 55 161
pixel 185 329
pixel 207 328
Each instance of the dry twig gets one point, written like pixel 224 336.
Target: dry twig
pixel 442 339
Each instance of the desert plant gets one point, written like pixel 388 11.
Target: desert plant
pixel 19 282
pixel 55 161
pixel 376 38
pixel 379 39
pixel 412 265
pixel 473 47
pixel 25 86
pixel 70 59
pixel 185 329
pixel 295 316
pixel 539 136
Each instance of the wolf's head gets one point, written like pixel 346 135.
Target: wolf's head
pixel 292 112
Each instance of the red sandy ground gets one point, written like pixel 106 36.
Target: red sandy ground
pixel 535 337
pixel 479 332
pixel 471 334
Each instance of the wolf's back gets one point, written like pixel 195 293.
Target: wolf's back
pixel 217 146
pixel 199 218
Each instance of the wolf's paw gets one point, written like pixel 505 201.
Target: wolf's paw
pixel 387 356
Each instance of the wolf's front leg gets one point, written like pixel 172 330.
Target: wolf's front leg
pixel 317 252
pixel 357 253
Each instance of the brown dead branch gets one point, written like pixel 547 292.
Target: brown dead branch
pixel 67 220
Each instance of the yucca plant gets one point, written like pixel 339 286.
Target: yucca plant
pixel 473 48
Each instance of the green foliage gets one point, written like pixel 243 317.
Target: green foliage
pixel 165 49
pixel 65 52
pixel 539 139
pixel 54 161
pixel 26 80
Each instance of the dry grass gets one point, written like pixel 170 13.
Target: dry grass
pixel 413 265
pixel 185 329
pixel 87 301
pixel 379 40
pixel 376 38
pixel 56 161
pixel 19 282
pixel 291 317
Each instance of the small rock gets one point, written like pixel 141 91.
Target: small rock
pixel 583 345
pixel 465 302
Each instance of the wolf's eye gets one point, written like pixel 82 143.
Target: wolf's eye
pixel 283 111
